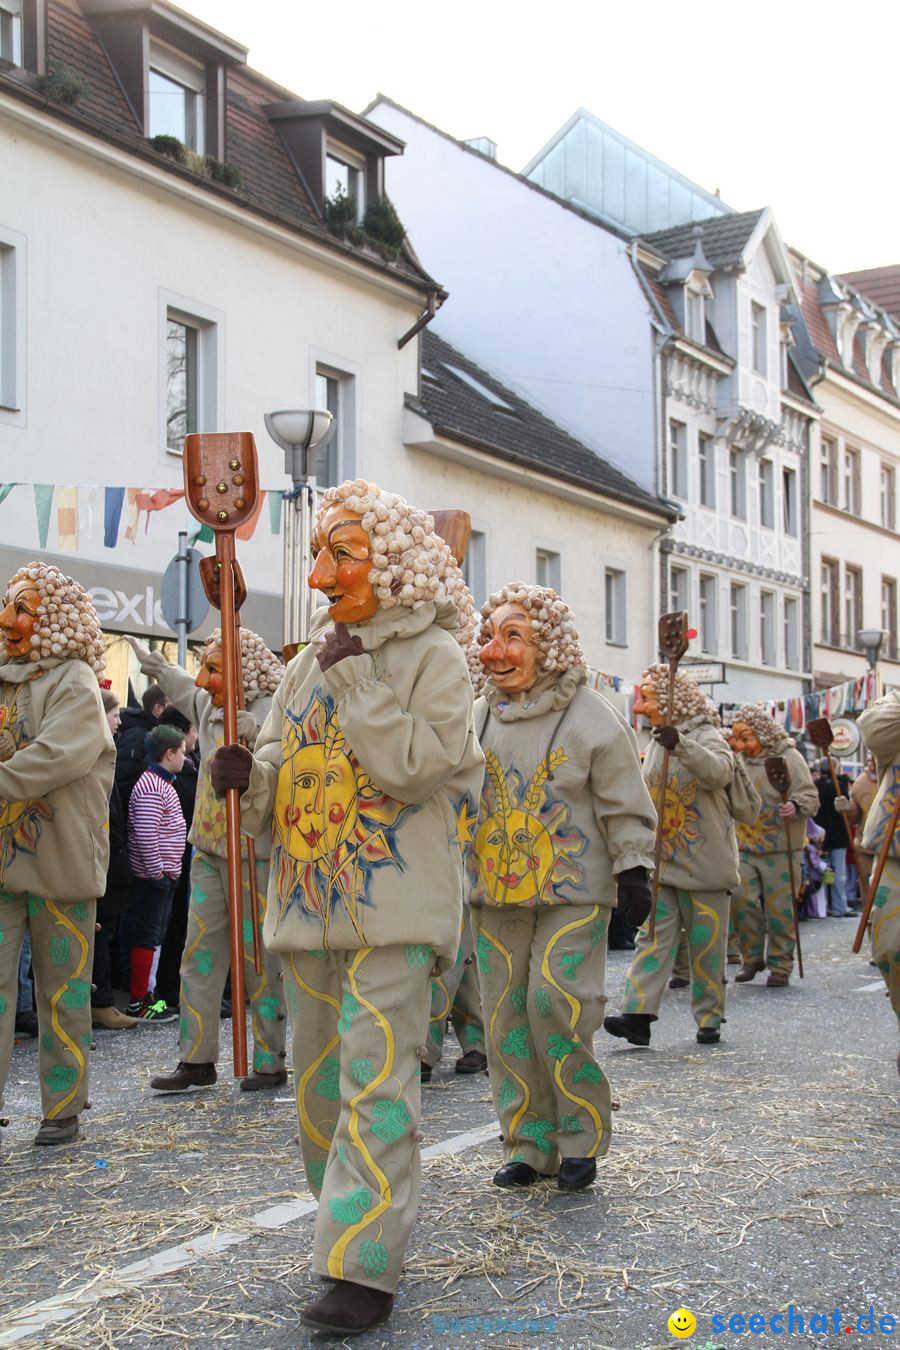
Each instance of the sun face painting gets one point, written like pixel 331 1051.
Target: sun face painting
pixel 681 820
pixel 524 847
pixel 765 835
pixel 333 826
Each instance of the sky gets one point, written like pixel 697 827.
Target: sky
pixel 789 104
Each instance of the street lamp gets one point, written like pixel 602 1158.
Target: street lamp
pixel 299 432
pixel 870 639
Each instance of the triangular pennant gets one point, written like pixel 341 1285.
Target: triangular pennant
pixel 43 504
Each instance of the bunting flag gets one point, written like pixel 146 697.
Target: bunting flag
pixel 133 512
pixel 67 519
pixel 275 504
pixel 113 499
pixel 157 499
pixel 43 504
pixel 88 499
pixel 6 489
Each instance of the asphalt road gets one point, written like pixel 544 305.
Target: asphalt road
pixel 742 1178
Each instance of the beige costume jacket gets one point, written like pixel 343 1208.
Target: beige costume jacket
pixel 54 791
pixel 880 727
pixel 767 833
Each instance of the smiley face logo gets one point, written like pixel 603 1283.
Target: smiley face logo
pixel 682 1323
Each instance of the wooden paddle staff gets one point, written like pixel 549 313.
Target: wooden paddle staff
pixel 673 643
pixel 780 778
pixel 875 878
pixel 221 483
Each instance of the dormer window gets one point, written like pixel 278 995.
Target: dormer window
pixel 345 175
pixel 695 315
pixel 11 31
pixel 176 97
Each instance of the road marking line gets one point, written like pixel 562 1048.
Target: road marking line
pixel 35 1317
pixel 870 988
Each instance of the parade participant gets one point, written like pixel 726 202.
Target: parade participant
pixel 699 866
pixel 56 772
pixel 119 881
pixel 880 728
pixel 565 830
pixel 206 958
pixel 369 769
pixel 764 908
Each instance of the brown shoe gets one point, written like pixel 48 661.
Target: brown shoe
pixel 777 980
pixel 348 1309
pixel 473 1061
pixel 185 1077
pixel 748 970
pixel 258 1082
pixel 112 1020
pixel 60 1131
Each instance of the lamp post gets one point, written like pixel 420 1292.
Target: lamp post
pixel 870 639
pixel 299 432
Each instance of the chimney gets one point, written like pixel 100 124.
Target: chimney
pixel 484 146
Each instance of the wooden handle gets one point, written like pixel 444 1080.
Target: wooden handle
pixel 875 879
pixel 455 528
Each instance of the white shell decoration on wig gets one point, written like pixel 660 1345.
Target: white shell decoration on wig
pixel 767 731
pixel 551 619
pixel 690 700
pixel 67 625
pixel 263 672
pixel 410 563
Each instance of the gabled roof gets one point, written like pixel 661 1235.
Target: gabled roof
pixel 881 284
pixel 500 422
pixel 810 291
pixel 724 238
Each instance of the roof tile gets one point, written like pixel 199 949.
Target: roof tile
pixel 723 240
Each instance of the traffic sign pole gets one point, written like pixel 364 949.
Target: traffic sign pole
pixel 183 561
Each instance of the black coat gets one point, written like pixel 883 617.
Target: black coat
pixel 131 750
pixel 827 816
pixel 119 876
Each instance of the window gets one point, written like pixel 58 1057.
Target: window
pixel 709 634
pixel 12 322
pixel 739 622
pixel 679 582
pixel 175 97
pixel 737 469
pixel 190 394
pixel 11 31
pixel 789 501
pixel 181 382
pixel 791 633
pixel 706 453
pixel 889 616
pixel 767 493
pixel 767 627
pixel 547 568
pixel 888 497
pixel 828 471
pixel 677 459
pixel 695 316
pixel 758 337
pixel 345 176
pixel 616 611
pixel 332 394
pixel 829 602
pixel 851 482
pixel 474 567
pixel 852 605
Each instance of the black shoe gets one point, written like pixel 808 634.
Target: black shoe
pixel 518 1174
pixel 635 1027
pixel 576 1173
pixel 708 1036
pixel 185 1077
pixel 424 1072
pixel 621 945
pixel 677 982
pixel 27 1023
pixel 348 1309
pixel 473 1061
pixel 259 1082
pixel 225 1010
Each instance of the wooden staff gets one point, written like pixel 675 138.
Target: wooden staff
pixel 222 488
pixel 778 775
pixel 673 643
pixel 875 878
pixel 820 733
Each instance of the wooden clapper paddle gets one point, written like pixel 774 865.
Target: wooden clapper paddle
pixel 778 775
pixel 673 643
pixel 221 483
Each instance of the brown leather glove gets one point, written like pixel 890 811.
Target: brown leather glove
pixel 667 737
pixel 338 645
pixel 633 895
pixel 230 768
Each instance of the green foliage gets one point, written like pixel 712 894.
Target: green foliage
pixel 537 1131
pixel 516 1042
pixel 77 995
pixel 268 1008
pixel 560 1046
pixel 315 1173
pixel 329 1083
pixel 220 171
pixel 569 963
pixel 588 1073
pixel 570 1124
pixel 390 1120
pixel 518 997
pixel 171 147
pixel 60 950
pixel 507 1094
pixel 204 961
pixel 417 954
pixel 341 215
pixel 350 1008
pixel 60 1078
pixel 62 84
pixel 350 1208
pixel 373 1257
pixel 382 225
pixel 542 1002
pixel 362 1071
pixel 483 954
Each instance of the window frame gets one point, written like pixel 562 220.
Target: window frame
pixel 791 632
pixel 790 523
pixel 708 608
pixel 738 612
pixel 887 486
pixel 615 597
pixel 852 480
pixel 759 337
pixel 549 553
pixel 474 565
pixel 678 459
pixel 737 483
pixel 852 600
pixel 677 601
pixel 13 337
pixel 830 601
pixel 889 615
pixel 355 164
pixel 768 641
pixel 209 324
pixel 178 69
pixel 13 11
pixel 766 490
pixel 706 459
pixel 828 464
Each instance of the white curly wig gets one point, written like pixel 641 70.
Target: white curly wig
pixel 770 734
pixel 551 619
pixel 67 623
pixel 690 700
pixel 263 672
pixel 410 562
pixel 477 672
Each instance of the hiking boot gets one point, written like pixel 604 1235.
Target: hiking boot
pixel 111 1019
pixel 151 1010
pixel 518 1174
pixel 677 982
pixel 61 1131
pixel 708 1036
pixel 576 1173
pixel 748 970
pixel 473 1061
pixel 778 979
pixel 258 1082
pixel 348 1309
pixel 185 1077
pixel 634 1027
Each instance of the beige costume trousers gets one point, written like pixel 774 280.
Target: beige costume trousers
pixel 542 974
pixel 455 994
pixel 205 965
pixel 359 1020
pixel 704 917
pixel 62 953
pixel 765 910
pixel 886 929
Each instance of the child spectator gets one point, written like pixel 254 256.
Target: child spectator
pixel 156 839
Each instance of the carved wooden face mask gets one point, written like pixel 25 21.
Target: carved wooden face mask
pixel 343 560
pixel 511 656
pixel 19 617
pixel 647 704
pixel 211 676
pixel 744 741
